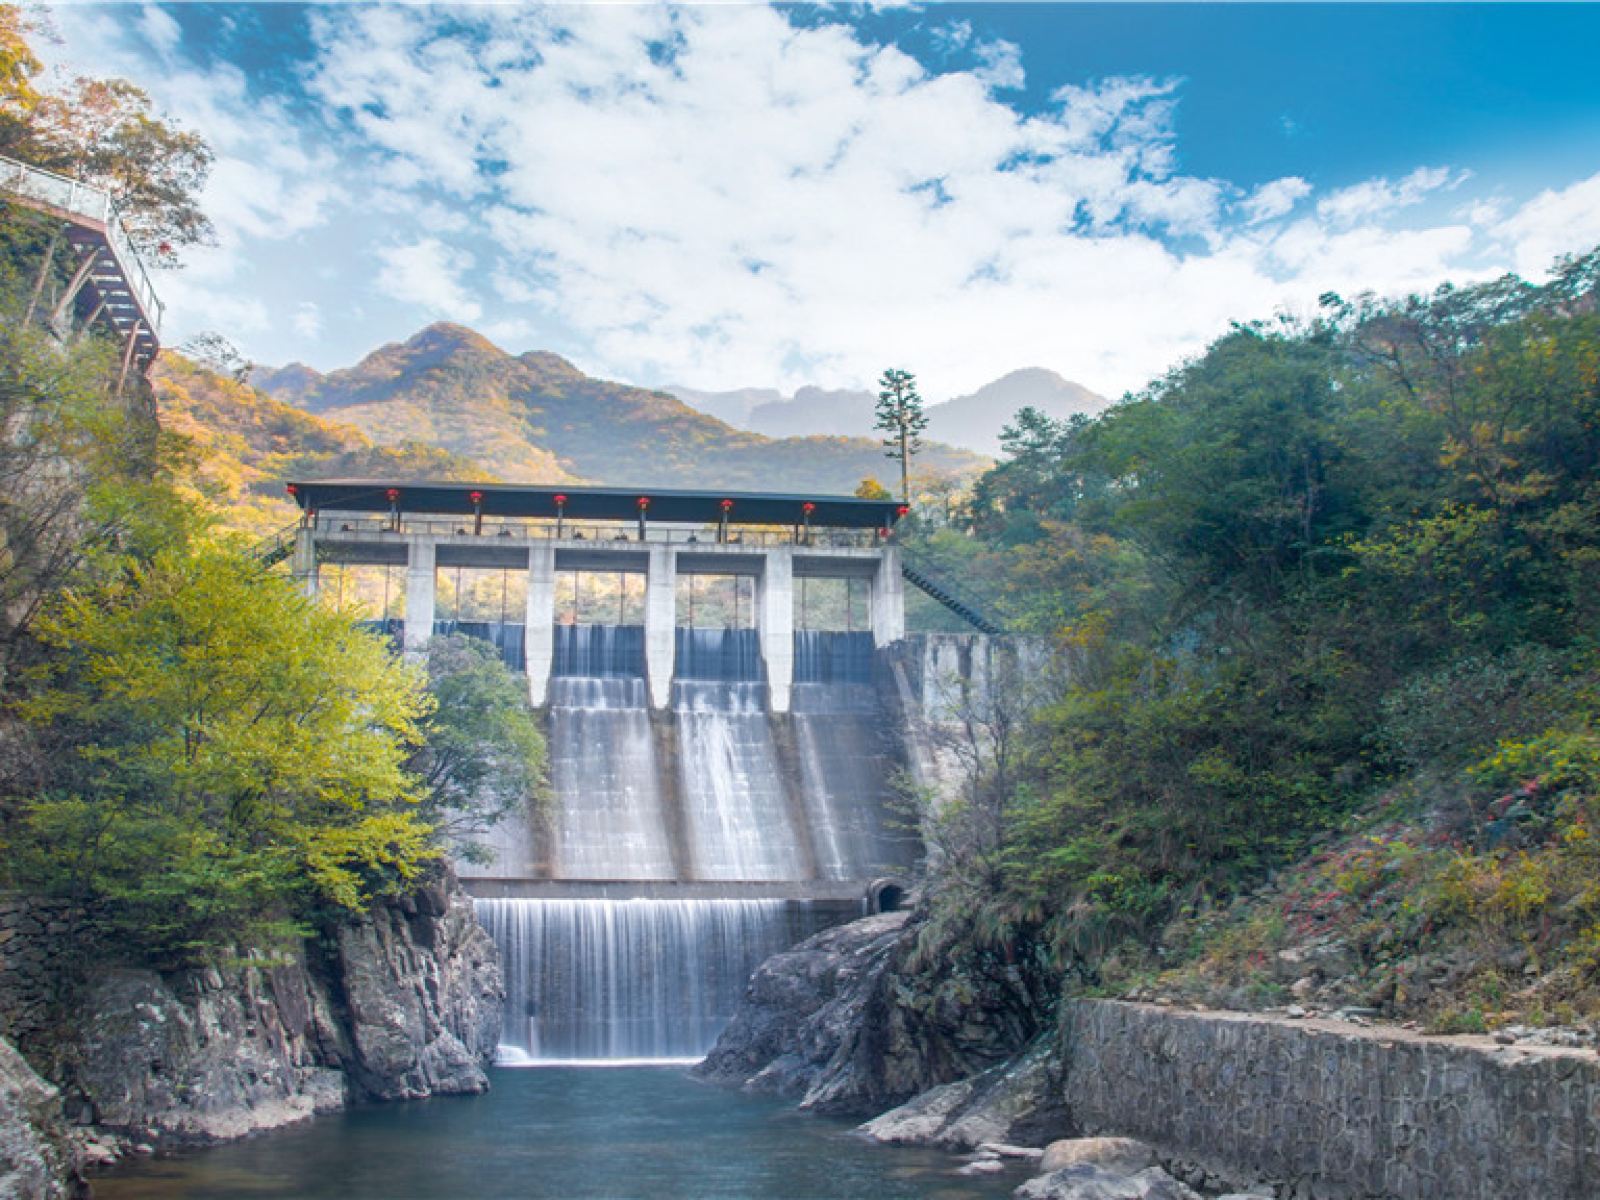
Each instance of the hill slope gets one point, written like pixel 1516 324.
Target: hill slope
pixel 537 418
pixel 245 444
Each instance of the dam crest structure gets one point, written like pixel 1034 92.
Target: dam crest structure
pixel 728 692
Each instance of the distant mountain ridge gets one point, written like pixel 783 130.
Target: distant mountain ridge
pixel 536 418
pixel 972 422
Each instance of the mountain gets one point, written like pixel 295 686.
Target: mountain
pixel 536 418
pixel 290 384
pixel 246 444
pixel 975 421
pixel 971 422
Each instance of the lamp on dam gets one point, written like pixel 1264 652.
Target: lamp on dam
pixel 644 505
pixel 722 525
pixel 561 514
pixel 393 496
pixel 806 510
pixel 477 512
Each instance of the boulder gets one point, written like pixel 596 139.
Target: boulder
pixel 1017 1101
pixel 36 1157
pixel 1121 1155
pixel 1087 1182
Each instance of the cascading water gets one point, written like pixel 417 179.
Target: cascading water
pixel 609 821
pixel 736 811
pixel 844 764
pixel 629 979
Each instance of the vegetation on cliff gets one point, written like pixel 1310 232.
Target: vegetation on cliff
pixel 1331 579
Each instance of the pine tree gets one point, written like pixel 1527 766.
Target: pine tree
pixel 901 419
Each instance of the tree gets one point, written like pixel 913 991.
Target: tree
pixel 870 489
pixel 484 756
pixel 19 66
pixel 226 757
pixel 216 353
pixel 901 419
pixel 103 132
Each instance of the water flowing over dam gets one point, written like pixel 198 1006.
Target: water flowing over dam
pixel 724 727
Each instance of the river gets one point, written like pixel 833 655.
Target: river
pixel 594 1133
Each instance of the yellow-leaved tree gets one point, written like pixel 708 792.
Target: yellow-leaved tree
pixel 227 757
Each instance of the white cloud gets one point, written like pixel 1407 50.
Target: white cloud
pixel 307 320
pixel 427 274
pixel 1380 197
pixel 718 196
pixel 1555 222
pixel 1275 199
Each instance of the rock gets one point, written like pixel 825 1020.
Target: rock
pixel 1018 1101
pixel 405 1006
pixel 842 1022
pixel 1294 1012
pixel 984 1166
pixel 1086 1182
pixel 1505 1038
pixel 1120 1155
pixel 37 1161
pixel 1002 1150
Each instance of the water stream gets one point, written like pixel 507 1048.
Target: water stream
pixel 562 1134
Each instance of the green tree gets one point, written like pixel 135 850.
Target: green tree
pixel 870 489
pixel 19 67
pixel 224 757
pixel 901 419
pixel 483 759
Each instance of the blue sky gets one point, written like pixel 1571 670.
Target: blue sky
pixel 740 195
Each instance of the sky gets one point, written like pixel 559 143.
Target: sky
pixel 741 195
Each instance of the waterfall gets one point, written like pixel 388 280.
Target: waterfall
pixel 735 806
pixel 609 979
pixel 845 765
pixel 609 820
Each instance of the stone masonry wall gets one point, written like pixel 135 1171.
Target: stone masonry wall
pixel 1328 1111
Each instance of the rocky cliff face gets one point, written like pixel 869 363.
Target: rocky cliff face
pixel 404 1003
pixel 842 1023
pixel 36 1162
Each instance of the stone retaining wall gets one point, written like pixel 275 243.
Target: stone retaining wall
pixel 37 941
pixel 1324 1110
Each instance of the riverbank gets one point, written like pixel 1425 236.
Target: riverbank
pixel 403 1003
pixel 1296 1107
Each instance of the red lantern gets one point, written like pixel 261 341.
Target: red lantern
pixel 808 508
pixel 293 490
pixel 644 502
pixel 727 505
pixel 560 500
pixel 902 510
pixel 393 495
pixel 475 497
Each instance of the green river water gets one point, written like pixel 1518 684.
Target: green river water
pixel 616 1133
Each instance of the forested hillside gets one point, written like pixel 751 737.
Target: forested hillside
pixel 1327 601
pixel 536 418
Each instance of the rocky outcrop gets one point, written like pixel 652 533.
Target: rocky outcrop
pixel 842 1023
pixel 36 1161
pixel 401 1004
pixel 423 997
pixel 1018 1101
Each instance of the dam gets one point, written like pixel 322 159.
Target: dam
pixel 722 683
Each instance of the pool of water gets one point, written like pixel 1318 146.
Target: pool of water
pixel 587 1133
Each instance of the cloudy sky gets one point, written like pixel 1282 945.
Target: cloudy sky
pixel 739 195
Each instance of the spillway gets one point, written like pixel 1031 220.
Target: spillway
pixel 595 979
pixel 681 844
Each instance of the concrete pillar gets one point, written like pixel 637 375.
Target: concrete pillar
pixel 777 624
pixel 303 560
pixel 888 599
pixel 661 624
pixel 539 632
pixel 419 595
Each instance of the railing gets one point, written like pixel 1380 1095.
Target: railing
pixel 92 204
pixel 331 526
pixel 916 572
pixel 274 548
